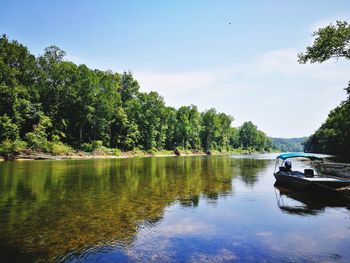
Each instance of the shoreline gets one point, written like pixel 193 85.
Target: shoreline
pixel 87 156
pixel 80 155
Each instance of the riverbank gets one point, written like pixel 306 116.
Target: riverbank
pixel 334 169
pixel 100 155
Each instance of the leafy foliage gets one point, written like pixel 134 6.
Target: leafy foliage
pixel 56 105
pixel 334 134
pixel 289 145
pixel 59 148
pixel 252 138
pixel 8 129
pixel 9 149
pixel 332 41
pixel 37 139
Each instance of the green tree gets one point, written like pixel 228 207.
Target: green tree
pixel 8 129
pixel 38 138
pixel 57 89
pixel 248 135
pixel 147 112
pixel 264 143
pixel 334 134
pixel 125 133
pixel 18 86
pixel 53 104
pixel 153 108
pixel 224 132
pixel 253 139
pixel 195 127
pixel 129 87
pixel 188 127
pixel 106 105
pixel 171 128
pixel 17 65
pixel 332 41
pixel 234 138
pixel 183 127
pixel 211 125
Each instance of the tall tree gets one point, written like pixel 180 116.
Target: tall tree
pixel 248 134
pixel 171 128
pixel 18 87
pixel 211 125
pixel 224 131
pixel 188 127
pixel 129 87
pixel 147 112
pixel 106 105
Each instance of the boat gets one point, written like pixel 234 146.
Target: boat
pixel 307 178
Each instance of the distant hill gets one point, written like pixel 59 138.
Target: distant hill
pixel 288 144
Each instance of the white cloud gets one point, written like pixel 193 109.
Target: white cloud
pixel 282 61
pixel 186 226
pixel 278 63
pixel 330 20
pixel 223 255
pixel 179 82
pixel 285 62
pixel 263 90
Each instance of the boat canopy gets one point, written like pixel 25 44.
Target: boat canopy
pixel 310 156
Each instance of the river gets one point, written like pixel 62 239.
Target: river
pixel 165 209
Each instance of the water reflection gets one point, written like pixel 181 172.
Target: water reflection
pixel 307 202
pixel 186 209
pixel 51 208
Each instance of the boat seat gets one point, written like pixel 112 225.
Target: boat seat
pixel 309 172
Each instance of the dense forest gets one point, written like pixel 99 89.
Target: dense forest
pixel 289 144
pixel 332 41
pixel 51 105
pixel 334 134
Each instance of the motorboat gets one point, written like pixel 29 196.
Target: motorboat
pixel 307 178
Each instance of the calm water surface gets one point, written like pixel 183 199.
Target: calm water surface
pixel 184 209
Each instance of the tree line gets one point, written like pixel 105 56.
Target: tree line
pixel 52 105
pixel 289 144
pixel 332 41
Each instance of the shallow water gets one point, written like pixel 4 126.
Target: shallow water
pixel 174 209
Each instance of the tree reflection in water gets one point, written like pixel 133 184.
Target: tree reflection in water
pixel 49 208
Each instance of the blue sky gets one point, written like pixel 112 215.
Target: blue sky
pixel 239 57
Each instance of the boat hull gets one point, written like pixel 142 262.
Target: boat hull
pixel 301 182
pixel 293 181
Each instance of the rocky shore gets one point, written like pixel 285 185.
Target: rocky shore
pixel 334 169
pixel 84 155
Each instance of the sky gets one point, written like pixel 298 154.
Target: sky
pixel 239 57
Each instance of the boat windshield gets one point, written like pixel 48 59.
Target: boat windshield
pixel 280 160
